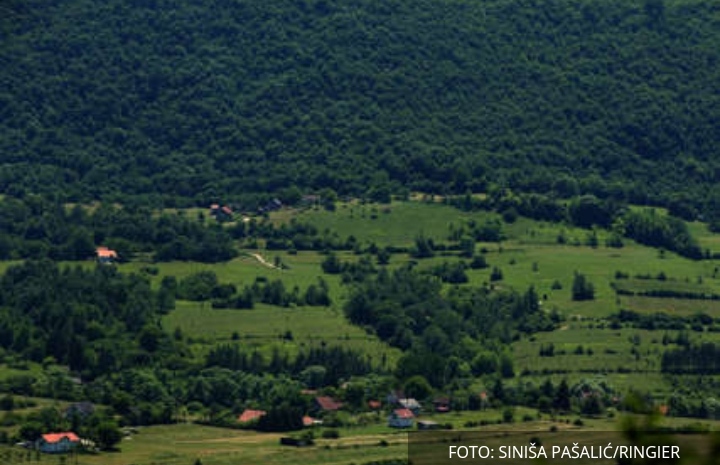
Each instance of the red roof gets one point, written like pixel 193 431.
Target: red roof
pixel 404 413
pixel 328 403
pixel 250 415
pixel 308 421
pixel 52 438
pixel 374 404
pixel 226 210
pixel 104 252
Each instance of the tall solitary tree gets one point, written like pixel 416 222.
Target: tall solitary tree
pixel 582 289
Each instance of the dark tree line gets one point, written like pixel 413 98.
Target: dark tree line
pixel 35 228
pixel 701 359
pixel 339 363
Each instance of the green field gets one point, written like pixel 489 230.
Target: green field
pixel 183 444
pixel 267 327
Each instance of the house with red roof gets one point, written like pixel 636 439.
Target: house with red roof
pixel 58 443
pixel 374 404
pixel 221 213
pixel 442 404
pixel 251 415
pixel 309 421
pixel 105 255
pixel 401 418
pixel 327 404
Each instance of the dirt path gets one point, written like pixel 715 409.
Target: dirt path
pixel 264 262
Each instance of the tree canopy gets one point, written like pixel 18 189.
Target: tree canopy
pixel 184 102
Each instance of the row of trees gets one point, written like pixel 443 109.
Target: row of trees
pixel 36 228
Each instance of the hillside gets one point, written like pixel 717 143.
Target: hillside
pixel 185 102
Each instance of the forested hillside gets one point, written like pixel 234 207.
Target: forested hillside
pixel 186 102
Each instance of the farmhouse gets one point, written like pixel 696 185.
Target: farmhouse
pixel 411 404
pixel 309 421
pixel 401 418
pixel 327 404
pixel 251 415
pixel 57 443
pixel 105 255
pixel 442 404
pixel 221 213
pixel 428 425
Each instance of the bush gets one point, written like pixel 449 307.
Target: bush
pixel 508 415
pixel 331 434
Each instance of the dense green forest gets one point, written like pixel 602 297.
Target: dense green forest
pixel 187 103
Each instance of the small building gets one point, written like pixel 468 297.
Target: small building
pixel 105 255
pixel 410 404
pixel 309 200
pixel 221 213
pixel 58 443
pixel 442 404
pixel 327 404
pixel 251 415
pixel 309 421
pixel 428 425
pixel 271 206
pixel 401 418
pixel 374 404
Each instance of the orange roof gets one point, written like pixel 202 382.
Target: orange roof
pixel 214 206
pixel 104 252
pixel 404 413
pixel 57 437
pixel 328 403
pixel 308 421
pixel 250 415
pixel 374 404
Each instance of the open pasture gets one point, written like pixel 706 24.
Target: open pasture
pixel 266 326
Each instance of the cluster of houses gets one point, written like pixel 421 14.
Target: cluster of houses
pixel 403 411
pixel 225 212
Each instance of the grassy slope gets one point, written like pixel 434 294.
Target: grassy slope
pixel 531 242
